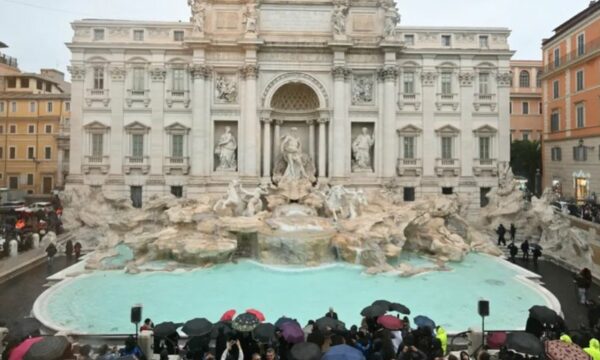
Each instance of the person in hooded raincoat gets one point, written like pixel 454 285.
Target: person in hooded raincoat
pixel 441 334
pixel 594 349
pixel 566 339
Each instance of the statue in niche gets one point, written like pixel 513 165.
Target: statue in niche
pixel 392 18
pixel 361 151
pixel 225 150
pixel 251 18
pixel 338 19
pixel 226 90
pixel 362 91
pixel 198 10
pixel 291 151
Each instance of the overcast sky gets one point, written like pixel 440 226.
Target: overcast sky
pixel 36 30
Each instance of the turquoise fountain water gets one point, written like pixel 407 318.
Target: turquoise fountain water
pixel 99 303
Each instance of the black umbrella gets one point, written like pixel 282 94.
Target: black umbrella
pixel 24 328
pixel 245 322
pixel 326 323
pixel 544 314
pixel 50 348
pixel 197 327
pixel 305 351
pixel 524 343
pixel 282 320
pixel 221 327
pixel 383 303
pixel 399 308
pixel 373 311
pixel 264 333
pixel 165 329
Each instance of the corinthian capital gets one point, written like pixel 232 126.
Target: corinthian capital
pixel 504 78
pixel 77 72
pixel 201 72
pixel 340 72
pixel 249 71
pixel 388 73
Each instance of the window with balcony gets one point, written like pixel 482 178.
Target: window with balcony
pixel 409 39
pixel 525 108
pixel 178 82
pixel 556 154
pixel 97 146
pixel 409 147
pixel 409 82
pixel 447 147
pixel 98 34
pixel 178 35
pixel 524 79
pixel 484 149
pixel 556 57
pixel 138 35
pixel 555 121
pixel 446 81
pixel 138 81
pixel 137 147
pixel 580 115
pixel 446 40
pixel 556 89
pixel 484 41
pixel 177 146
pixel 580 44
pixel 484 83
pixel 177 160
pixel 98 78
pixel 580 80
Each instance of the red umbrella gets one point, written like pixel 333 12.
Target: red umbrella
pixel 228 316
pixel 20 350
pixel 390 322
pixel 258 314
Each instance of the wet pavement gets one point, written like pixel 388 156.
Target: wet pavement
pixel 18 294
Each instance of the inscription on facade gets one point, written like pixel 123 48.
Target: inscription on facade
pixel 295 20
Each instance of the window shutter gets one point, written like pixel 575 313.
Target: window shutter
pixel 574 152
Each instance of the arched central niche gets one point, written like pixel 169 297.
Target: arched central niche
pixel 295 97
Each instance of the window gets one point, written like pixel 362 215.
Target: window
pixel 409 194
pixel 13 182
pixel 540 108
pixel 137 146
pixel 1 106
pixel 48 87
pixel 39 84
pixel 446 83
pixel 178 80
pixel 446 147
pixel 67 106
pixel 98 34
pixel 409 39
pixel 11 83
pixel 48 153
pixel 524 79
pixel 178 35
pixel 409 82
pixel 32 107
pixel 1 153
pixel 555 121
pixel 98 78
pixel 177 146
pixel 409 147
pixel 580 80
pixel 580 44
pixel 24 83
pixel 48 129
pixel 510 107
pixel 13 129
pixel 580 115
pixel 31 129
pixel 539 79
pixel 13 106
pixel 556 57
pixel 97 145
pixel 556 154
pixel 556 90
pixel 579 153
pixel 484 148
pixel 525 136
pixel 50 106
pixel 1 129
pixel 136 196
pixel 484 41
pixel 483 199
pixel 446 40
pixel 31 153
pixel 484 84
pixel 525 108
pixel 177 191
pixel 12 152
pixel 138 80
pixel 30 179
pixel 138 35
pixel 447 191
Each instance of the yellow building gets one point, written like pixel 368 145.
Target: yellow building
pixel 34 119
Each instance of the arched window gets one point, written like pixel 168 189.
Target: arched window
pixel 524 79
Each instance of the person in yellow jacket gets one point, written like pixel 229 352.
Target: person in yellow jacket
pixel 566 339
pixel 441 334
pixel 594 349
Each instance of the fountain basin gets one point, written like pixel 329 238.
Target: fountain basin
pixel 99 303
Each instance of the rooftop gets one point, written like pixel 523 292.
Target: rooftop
pixel 591 10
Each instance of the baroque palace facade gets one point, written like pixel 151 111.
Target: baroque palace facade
pixel 180 107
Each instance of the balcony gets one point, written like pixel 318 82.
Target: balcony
pixel 137 95
pixel 8 60
pixel 447 167
pixel 177 165
pixel 485 167
pixel 447 100
pixel 100 163
pixel 409 100
pixel 97 95
pixel 178 96
pixel 482 100
pixel 591 48
pixel 136 163
pixel 409 167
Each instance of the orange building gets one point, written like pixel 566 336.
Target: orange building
pixel 571 91
pixel 526 106
pixel 34 118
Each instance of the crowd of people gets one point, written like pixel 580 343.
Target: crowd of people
pixel 528 249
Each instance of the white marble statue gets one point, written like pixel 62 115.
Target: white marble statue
pixel 226 90
pixel 362 91
pixel 198 11
pixel 232 199
pixel 291 151
pixel 392 18
pixel 251 18
pixel 335 199
pixel 254 204
pixel 361 151
pixel 338 19
pixel 225 150
pixel 356 199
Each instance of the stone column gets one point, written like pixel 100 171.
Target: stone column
pixel 117 139
pixel 59 166
pixel 322 148
pixel 467 155
pixel 199 136
pixel 339 126
pixel 390 146
pixel 311 140
pixel 266 171
pixel 277 138
pixel 156 152
pixel 251 135
pixel 503 80
pixel 428 150
pixel 77 131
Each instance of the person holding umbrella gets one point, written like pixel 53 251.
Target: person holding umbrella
pixel 584 281
pixel 536 252
pixel 226 354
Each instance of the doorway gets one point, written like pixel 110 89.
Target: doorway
pixel 136 196
pixel 581 189
pixel 47 185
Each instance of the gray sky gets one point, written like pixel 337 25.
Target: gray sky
pixel 36 30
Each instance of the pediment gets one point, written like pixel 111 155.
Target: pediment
pixel 409 129
pixel 96 125
pixel 485 129
pixel 136 126
pixel 177 127
pixel 448 129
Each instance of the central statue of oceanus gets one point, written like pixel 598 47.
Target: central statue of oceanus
pixel 293 164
